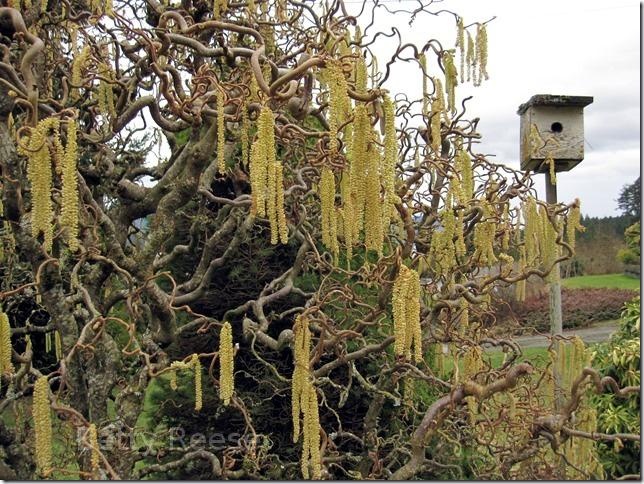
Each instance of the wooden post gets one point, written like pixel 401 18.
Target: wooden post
pixel 556 325
pixel 555 287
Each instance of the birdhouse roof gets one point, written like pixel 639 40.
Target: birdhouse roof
pixel 555 100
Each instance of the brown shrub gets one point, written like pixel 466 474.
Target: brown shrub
pixel 580 308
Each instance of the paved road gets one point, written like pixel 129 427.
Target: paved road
pixel 597 333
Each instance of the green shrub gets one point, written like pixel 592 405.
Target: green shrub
pixel 620 359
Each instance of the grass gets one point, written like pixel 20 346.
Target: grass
pixel 616 281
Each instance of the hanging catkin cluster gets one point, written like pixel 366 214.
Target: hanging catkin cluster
pixel 422 59
pixel 105 92
pixel 451 80
pixel 6 366
pixel 373 211
pixel 463 165
pixel 548 244
pixel 581 452
pixel 438 111
pixel 573 223
pixel 339 102
pixel 484 234
pixel 174 367
pixel 327 208
pixel 226 363
pixel 79 63
pixel 196 367
pixel 390 159
pixel 39 172
pixel 69 215
pixel 406 313
pixel 266 178
pixel 442 250
pixel 473 54
pixel 42 425
pixel 460 45
pixel 481 53
pixel 40 175
pixel 304 401
pixel 532 231
pixel 221 130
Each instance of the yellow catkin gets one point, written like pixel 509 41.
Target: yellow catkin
pixel 422 59
pixel 520 290
pixel 531 218
pixel 301 357
pixel 574 223
pixel 42 425
pixel 373 223
pixel 548 246
pixel 173 379
pixel 481 53
pixel 390 158
pixel 451 80
pixel 507 228
pixel 460 45
pixel 196 367
pixel 406 313
pixel 40 175
pixel 361 74
pixel 442 248
pixel 105 91
pixel 551 168
pixel 221 131
pixel 69 215
pixel 311 432
pixel 358 169
pixel 484 234
pixel 464 168
pixel 339 102
pixel 470 59
pixel 327 208
pixel 47 342
pixel 93 442
pixel 348 214
pixel 5 345
pixel 282 226
pixel 271 201
pixel 260 159
pixel 266 178
pixel 78 65
pixel 304 401
pixel 438 109
pixel 226 363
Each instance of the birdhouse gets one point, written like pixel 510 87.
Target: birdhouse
pixel 552 127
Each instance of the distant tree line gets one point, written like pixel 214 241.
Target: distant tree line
pixel 601 247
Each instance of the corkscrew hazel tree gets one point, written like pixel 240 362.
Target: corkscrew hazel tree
pixel 218 171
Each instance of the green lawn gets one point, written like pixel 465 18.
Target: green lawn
pixel 617 281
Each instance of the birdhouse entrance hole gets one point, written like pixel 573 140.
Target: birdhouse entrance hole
pixel 556 127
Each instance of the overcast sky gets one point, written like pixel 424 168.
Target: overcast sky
pixel 572 47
